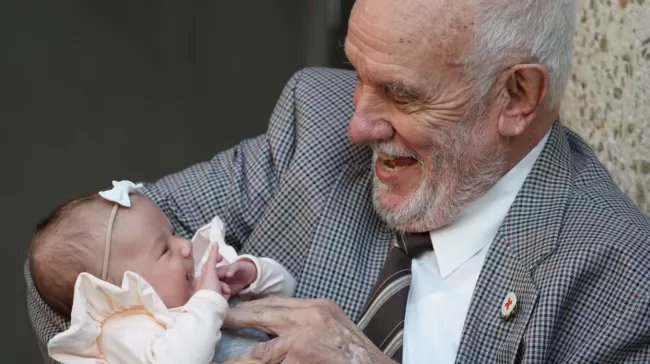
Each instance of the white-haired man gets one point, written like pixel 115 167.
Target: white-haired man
pixel 483 231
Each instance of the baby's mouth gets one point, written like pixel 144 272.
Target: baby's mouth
pixel 190 279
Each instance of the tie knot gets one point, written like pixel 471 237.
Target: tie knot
pixel 414 244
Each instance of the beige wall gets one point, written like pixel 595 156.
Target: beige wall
pixel 608 99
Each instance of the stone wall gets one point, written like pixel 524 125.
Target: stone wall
pixel 608 98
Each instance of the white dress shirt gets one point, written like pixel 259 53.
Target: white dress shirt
pixel 443 280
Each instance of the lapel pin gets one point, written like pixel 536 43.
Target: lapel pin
pixel 509 305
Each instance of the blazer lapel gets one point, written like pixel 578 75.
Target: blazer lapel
pixel 528 235
pixel 349 245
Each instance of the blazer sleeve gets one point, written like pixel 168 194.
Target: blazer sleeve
pixel 622 338
pixel 236 184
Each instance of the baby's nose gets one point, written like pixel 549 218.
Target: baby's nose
pixel 186 248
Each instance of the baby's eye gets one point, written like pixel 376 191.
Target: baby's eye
pixel 165 249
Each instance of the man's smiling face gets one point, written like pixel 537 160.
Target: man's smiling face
pixel 413 106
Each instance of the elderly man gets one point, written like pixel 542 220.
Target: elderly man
pixel 463 223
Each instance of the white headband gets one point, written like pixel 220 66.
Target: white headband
pixel 120 195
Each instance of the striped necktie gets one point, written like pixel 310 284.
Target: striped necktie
pixel 383 318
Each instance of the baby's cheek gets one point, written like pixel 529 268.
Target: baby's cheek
pixel 176 298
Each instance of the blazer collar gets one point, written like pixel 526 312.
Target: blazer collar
pixel 528 235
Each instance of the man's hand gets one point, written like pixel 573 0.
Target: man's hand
pixel 309 331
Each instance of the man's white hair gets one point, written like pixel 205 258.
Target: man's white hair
pixel 511 31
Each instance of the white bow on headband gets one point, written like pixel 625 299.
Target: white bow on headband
pixel 120 192
pixel 120 195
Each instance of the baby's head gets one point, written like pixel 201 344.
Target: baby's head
pixel 72 239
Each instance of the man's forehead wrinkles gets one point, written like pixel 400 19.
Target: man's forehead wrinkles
pixel 364 64
pixel 367 70
pixel 405 59
pixel 378 34
pixel 386 74
pixel 366 38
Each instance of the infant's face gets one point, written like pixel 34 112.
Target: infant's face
pixel 144 243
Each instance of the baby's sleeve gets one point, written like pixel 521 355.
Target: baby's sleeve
pixel 130 324
pixel 272 279
pixel 190 339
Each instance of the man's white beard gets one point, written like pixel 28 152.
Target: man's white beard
pixel 461 179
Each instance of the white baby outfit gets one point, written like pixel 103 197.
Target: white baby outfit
pixel 131 324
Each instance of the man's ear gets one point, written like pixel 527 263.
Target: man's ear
pixel 526 86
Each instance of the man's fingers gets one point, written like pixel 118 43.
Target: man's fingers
pixel 280 315
pixel 282 301
pixel 272 320
pixel 269 352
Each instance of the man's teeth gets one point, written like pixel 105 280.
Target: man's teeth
pixel 395 168
pixel 387 157
pixel 388 164
pixel 387 161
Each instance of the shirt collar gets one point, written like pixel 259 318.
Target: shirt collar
pixel 478 223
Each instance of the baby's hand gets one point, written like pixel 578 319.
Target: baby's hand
pixel 209 279
pixel 238 275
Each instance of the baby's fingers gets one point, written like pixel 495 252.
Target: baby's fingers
pixel 222 271
pixel 219 256
pixel 232 270
pixel 225 290
pixel 211 264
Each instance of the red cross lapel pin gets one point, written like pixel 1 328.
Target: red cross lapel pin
pixel 509 306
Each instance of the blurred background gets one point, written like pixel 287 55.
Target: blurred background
pixel 94 91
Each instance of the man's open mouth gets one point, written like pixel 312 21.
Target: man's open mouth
pixel 394 162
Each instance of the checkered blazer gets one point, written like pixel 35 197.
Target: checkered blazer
pixel 573 247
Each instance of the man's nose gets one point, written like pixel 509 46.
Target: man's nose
pixel 366 129
pixel 367 124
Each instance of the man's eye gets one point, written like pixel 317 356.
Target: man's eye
pixel 400 100
pixel 398 97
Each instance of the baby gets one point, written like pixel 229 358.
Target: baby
pixel 133 289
